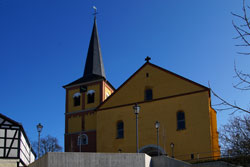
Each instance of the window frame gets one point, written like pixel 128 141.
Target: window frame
pixel 120 129
pixel 91 96
pixel 77 99
pixel 181 123
pixel 192 156
pixel 82 143
pixel 148 94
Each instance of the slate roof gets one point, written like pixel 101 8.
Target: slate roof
pixel 85 79
pixel 94 63
pixel 94 68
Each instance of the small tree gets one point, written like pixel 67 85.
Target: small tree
pixel 47 144
pixel 235 136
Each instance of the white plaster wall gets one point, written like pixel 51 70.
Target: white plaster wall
pixel 26 155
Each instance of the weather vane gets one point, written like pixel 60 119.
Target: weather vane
pixel 95 13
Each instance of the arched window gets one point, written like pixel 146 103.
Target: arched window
pixel 148 94
pixel 77 99
pixel 192 156
pixel 120 130
pixel 181 120
pixel 91 96
pixel 82 139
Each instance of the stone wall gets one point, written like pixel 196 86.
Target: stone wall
pixel 8 162
pixel 70 159
pixel 77 159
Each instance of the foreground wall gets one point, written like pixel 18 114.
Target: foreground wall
pixel 214 164
pixel 164 161
pixel 70 159
pixel 9 162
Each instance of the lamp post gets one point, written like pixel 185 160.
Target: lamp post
pixel 136 108
pixel 157 126
pixel 39 128
pixel 172 148
pixel 80 142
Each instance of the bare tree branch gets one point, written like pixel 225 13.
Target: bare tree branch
pixel 243 29
pixel 236 15
pixel 239 30
pixel 245 15
pixel 242 53
pixel 224 105
pixel 48 144
pixel 244 79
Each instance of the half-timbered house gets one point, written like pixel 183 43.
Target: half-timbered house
pixel 15 148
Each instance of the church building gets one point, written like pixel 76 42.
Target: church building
pixel 100 118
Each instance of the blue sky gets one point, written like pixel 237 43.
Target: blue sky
pixel 43 46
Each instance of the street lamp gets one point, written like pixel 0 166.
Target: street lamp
pixel 157 126
pixel 80 142
pixel 39 128
pixel 172 148
pixel 136 108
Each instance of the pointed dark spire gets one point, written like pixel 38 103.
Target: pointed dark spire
pixel 94 68
pixel 94 64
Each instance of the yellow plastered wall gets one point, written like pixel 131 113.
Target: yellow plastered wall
pixel 74 124
pixel 90 121
pixel 162 83
pixel 196 138
pixel 96 88
pixel 214 133
pixel 107 92
pixel 71 107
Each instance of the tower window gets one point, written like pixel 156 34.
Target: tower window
pixel 77 99
pixel 181 120
pixel 91 96
pixel 120 130
pixel 148 94
pixel 82 139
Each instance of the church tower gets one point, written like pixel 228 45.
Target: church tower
pixel 83 96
